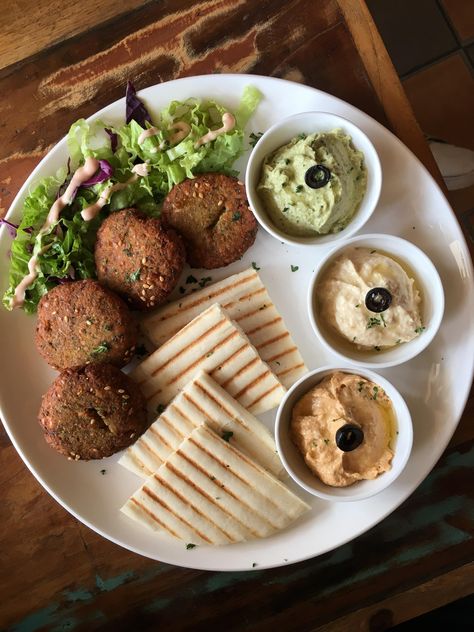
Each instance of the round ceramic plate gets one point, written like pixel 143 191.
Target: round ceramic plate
pixel 435 384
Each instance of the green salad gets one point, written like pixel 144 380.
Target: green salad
pixel 65 249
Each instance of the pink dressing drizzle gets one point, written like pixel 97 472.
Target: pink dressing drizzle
pixel 91 211
pixel 33 270
pixel 183 130
pixel 228 124
pixel 151 131
pixel 80 175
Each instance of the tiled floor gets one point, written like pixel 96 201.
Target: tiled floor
pixel 431 44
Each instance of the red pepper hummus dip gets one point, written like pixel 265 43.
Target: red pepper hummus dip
pixel 343 428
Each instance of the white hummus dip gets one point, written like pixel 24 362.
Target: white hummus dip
pixel 340 399
pixel 341 294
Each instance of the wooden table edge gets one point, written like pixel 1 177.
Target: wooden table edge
pixel 386 83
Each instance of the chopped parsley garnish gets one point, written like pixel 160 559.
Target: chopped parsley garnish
pixel 373 321
pixel 254 564
pixel 299 188
pixel 397 342
pixel 190 545
pixel 354 338
pixel 102 348
pixel 262 307
pixel 377 348
pixel 314 443
pixel 236 216
pixel 134 276
pixel 255 266
pixel 326 441
pixel 383 320
pixel 227 434
pixel 358 305
pixel 254 138
pixel 372 252
pixel 103 472
pixel 204 281
pixel 128 251
pixel 191 279
pixel 376 392
pixel 287 161
pixel 108 327
pixel 160 408
pixel 208 355
pixel 141 351
pixel 294 268
pixel 360 385
pixel 301 136
pixel 418 330
pixel 286 209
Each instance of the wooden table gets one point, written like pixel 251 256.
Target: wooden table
pixel 62 62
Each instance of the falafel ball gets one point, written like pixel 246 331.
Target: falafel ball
pixel 138 258
pixel 212 214
pixel 81 322
pixel 93 411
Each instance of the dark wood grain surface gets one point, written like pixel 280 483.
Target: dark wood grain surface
pixel 57 574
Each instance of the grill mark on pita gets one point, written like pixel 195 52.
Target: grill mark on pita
pixel 263 376
pixel 153 517
pixel 189 368
pixel 231 358
pixel 241 371
pixel 292 368
pixel 285 334
pixel 203 492
pixel 138 462
pixel 220 405
pixel 209 295
pixel 246 297
pixel 237 475
pixel 143 444
pixel 170 426
pixel 195 342
pixel 280 355
pixel 260 397
pixel 263 326
pixel 159 501
pixel 216 347
pixel 155 432
pixel 186 501
pixel 168 342
pixel 182 414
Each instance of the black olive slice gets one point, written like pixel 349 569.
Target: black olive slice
pixel 378 299
pixel 349 437
pixel 317 176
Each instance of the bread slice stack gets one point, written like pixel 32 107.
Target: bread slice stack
pixel 211 468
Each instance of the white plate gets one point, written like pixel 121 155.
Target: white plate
pixel 435 384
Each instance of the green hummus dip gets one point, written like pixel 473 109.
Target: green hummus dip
pixel 296 208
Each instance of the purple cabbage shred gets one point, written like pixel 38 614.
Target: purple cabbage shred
pixel 104 172
pixel 11 228
pixel 113 139
pixel 134 108
pixel 63 186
